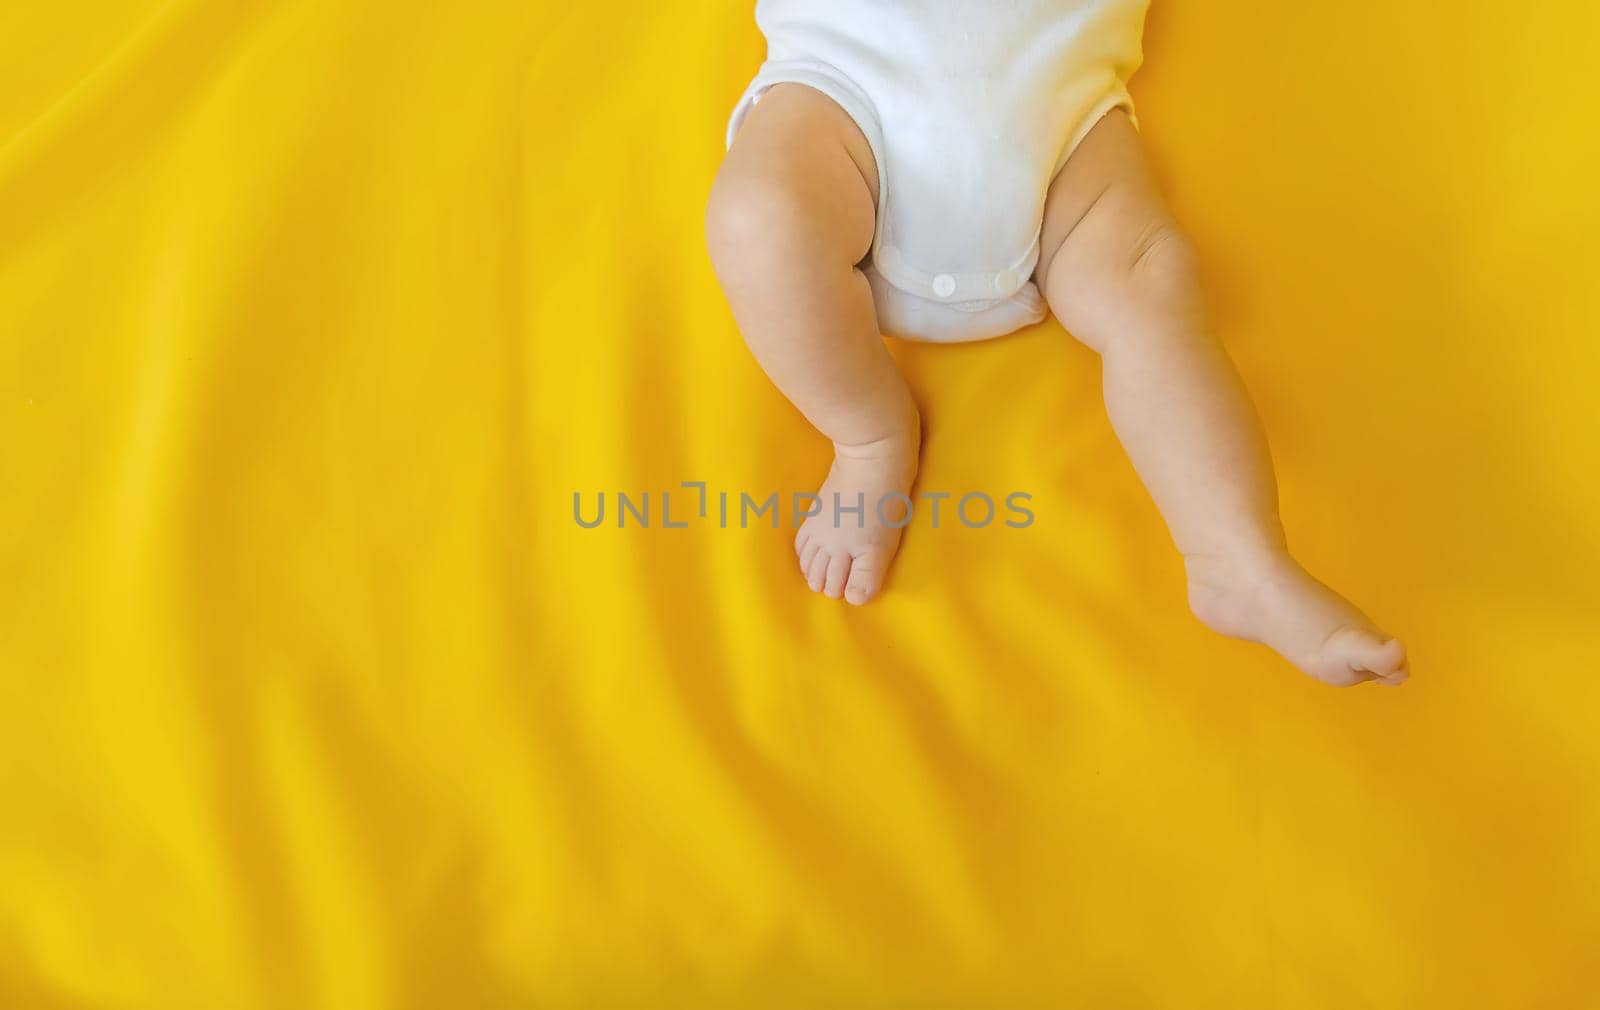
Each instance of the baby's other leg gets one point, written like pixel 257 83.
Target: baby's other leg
pixel 1119 274
pixel 790 217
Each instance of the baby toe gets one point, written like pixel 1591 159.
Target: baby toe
pixel 862 585
pixel 1367 652
pixel 808 554
pixel 817 570
pixel 1389 662
pixel 838 570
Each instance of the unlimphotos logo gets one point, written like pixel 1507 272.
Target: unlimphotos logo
pixel 741 509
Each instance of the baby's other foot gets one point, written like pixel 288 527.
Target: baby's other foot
pixel 1278 603
pixel 847 555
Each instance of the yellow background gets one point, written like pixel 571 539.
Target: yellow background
pixel 314 315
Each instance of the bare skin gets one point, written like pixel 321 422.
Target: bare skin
pixel 791 218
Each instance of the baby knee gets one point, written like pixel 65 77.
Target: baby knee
pixel 1160 260
pixel 729 219
pixel 1129 240
pixel 752 217
pixel 1125 262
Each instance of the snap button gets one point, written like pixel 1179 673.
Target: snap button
pixel 1006 282
pixel 944 285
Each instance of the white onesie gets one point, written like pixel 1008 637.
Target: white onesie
pixel 971 108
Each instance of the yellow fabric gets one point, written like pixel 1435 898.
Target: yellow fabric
pixel 314 316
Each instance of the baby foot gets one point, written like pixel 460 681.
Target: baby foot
pixel 1279 604
pixel 847 555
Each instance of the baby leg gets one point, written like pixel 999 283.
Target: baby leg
pixel 790 217
pixel 1119 275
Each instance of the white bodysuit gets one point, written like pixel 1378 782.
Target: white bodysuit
pixel 971 107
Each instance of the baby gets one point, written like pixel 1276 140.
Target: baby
pixel 944 170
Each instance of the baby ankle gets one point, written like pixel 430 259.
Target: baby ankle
pixel 1239 571
pixel 899 443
